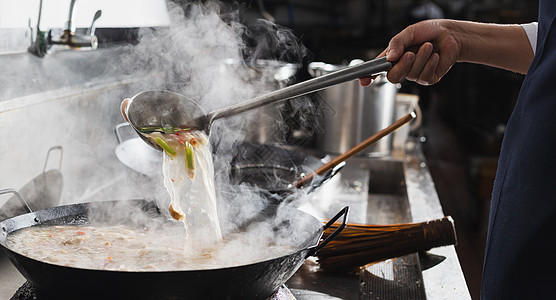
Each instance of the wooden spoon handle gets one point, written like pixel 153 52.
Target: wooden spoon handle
pixel 355 150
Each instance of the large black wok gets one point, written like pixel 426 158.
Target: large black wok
pixel 254 281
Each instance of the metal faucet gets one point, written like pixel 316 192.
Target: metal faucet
pixel 69 38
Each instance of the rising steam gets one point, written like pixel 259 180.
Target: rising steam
pixel 208 55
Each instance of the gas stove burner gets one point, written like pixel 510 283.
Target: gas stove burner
pixel 283 293
pixel 28 292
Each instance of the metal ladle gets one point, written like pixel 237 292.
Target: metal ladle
pixel 157 108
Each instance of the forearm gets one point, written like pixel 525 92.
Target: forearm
pixel 502 46
pixel 445 42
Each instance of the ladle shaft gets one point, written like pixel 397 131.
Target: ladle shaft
pixel 365 69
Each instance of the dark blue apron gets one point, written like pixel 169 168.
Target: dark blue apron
pixel 520 256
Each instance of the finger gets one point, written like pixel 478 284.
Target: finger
pixel 401 68
pixel 428 76
pixel 395 48
pixel 383 53
pixel 421 58
pixel 399 43
pixel 367 80
pixel 123 108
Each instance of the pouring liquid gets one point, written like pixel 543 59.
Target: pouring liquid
pixel 189 178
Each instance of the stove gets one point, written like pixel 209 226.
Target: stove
pixel 28 292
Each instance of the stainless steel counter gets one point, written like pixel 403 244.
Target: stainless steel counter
pixel 445 280
pixel 400 189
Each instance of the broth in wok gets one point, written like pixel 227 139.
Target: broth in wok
pixel 130 248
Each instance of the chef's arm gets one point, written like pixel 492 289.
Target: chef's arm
pixel 503 46
pixel 445 42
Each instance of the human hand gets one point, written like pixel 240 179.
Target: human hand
pixel 123 108
pixel 438 51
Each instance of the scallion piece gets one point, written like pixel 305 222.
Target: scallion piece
pixel 189 160
pixel 148 129
pixel 165 147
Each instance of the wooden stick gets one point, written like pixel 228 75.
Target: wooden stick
pixel 355 150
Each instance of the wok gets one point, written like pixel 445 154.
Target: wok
pixel 271 168
pixel 258 280
pixel 274 170
pixel 41 192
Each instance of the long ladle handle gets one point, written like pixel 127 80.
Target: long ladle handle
pixel 355 150
pixel 365 69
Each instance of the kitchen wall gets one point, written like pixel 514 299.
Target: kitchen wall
pixel 18 19
pixel 74 119
pixel 45 96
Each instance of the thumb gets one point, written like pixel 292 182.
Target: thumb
pixel 399 43
pixel 123 108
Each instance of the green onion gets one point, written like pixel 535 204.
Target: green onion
pixel 149 129
pixel 165 130
pixel 166 147
pixel 189 160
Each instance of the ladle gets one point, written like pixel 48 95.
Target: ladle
pixel 356 149
pixel 157 108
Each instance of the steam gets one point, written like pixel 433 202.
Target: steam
pixel 208 55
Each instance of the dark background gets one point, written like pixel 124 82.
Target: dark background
pixel 464 114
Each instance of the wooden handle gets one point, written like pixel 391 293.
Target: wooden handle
pixel 355 150
pixel 361 244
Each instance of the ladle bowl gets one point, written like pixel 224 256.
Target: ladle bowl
pixel 161 109
pixel 168 109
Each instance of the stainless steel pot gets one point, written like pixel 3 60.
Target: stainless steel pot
pixel 351 113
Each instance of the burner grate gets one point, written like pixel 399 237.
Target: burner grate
pixel 28 292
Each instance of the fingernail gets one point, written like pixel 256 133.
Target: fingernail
pixel 423 82
pixel 391 55
pixel 410 57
